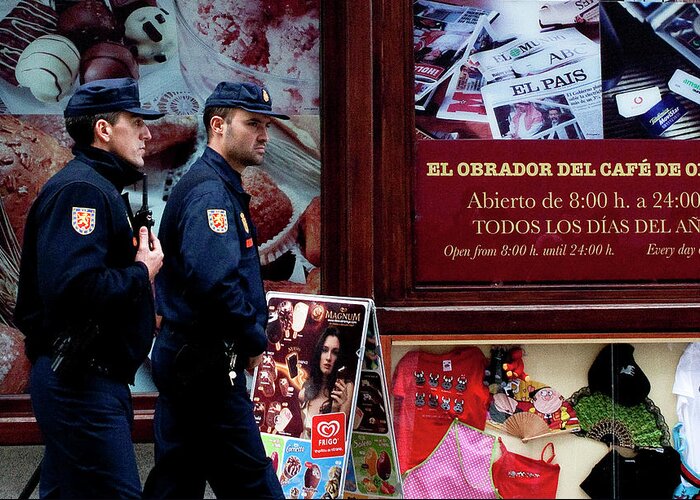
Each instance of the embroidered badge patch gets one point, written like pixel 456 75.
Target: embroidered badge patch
pixel 217 220
pixel 83 220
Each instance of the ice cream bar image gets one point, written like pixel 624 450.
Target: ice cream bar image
pixel 284 386
pixel 271 416
pixel 312 477
pixel 358 418
pixel 301 310
pixel 268 363
pixel 274 329
pixel 384 466
pixel 283 419
pixel 259 412
pixel 291 468
pixel 267 383
pixel 342 373
pixel 285 312
pixel 292 360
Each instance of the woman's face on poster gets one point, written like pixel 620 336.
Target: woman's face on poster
pixel 329 354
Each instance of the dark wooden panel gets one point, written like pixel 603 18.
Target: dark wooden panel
pixel 381 264
pixel 18 425
pixel 347 148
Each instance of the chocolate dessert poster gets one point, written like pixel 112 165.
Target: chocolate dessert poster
pixel 178 51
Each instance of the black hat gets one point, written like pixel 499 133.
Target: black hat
pixel 248 96
pixel 104 96
pixel 615 373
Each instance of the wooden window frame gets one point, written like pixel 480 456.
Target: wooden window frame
pixel 367 131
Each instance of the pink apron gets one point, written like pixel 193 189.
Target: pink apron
pixel 460 467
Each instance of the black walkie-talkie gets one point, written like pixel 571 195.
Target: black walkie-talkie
pixel 144 215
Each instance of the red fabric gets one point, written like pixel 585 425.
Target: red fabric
pixel 419 428
pixel 518 476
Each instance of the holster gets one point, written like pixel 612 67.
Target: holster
pixel 73 350
pixel 202 367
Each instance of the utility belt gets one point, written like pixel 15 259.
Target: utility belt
pixel 74 354
pixel 203 364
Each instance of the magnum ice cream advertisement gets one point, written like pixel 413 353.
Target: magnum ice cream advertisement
pixel 178 51
pixel 320 398
pixel 305 390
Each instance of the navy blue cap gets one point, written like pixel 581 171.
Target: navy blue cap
pixel 105 96
pixel 248 96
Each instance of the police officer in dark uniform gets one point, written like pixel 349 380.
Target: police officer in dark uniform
pixel 210 294
pixel 85 299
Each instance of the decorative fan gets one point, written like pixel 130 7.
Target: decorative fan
pixel 612 432
pixel 526 426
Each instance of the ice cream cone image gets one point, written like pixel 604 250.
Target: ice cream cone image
pixel 333 483
pixel 291 468
pixel 294 493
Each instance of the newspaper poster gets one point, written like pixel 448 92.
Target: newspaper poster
pixel 305 393
pixel 569 12
pixel 497 64
pixel 463 99
pixel 525 108
pixel 441 33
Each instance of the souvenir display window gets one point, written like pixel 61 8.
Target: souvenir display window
pixel 549 429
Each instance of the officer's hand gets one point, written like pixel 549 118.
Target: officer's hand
pixel 149 252
pixel 253 362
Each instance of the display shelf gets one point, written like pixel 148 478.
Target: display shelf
pixel 563 361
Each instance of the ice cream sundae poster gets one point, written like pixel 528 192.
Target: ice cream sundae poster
pixel 307 389
pixel 177 50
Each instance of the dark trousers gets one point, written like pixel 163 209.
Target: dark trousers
pixel 206 435
pixel 86 426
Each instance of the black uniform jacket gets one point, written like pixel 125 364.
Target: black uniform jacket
pixel 78 263
pixel 210 283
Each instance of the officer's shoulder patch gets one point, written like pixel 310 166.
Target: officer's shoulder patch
pixel 83 220
pixel 217 220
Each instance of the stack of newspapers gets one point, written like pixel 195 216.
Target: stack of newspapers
pixel 544 84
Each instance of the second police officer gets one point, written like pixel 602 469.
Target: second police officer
pixel 210 294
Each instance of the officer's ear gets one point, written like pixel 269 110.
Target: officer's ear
pixel 216 123
pixel 102 130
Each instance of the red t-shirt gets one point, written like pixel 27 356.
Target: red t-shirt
pixel 430 390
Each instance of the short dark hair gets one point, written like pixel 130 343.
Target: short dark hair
pixel 82 128
pixel 212 111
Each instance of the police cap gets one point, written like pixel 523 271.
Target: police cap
pixel 248 96
pixel 104 96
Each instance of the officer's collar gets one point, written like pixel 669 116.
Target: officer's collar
pixel 119 172
pixel 222 167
